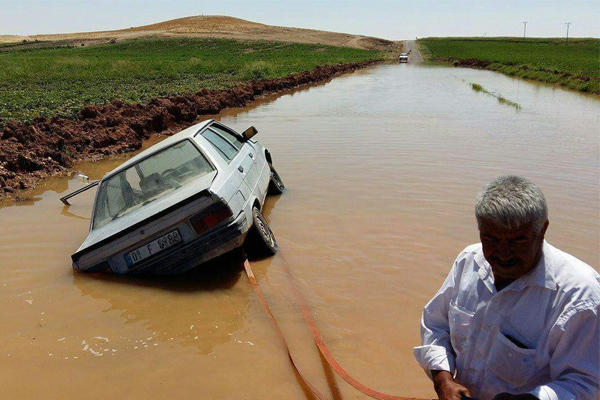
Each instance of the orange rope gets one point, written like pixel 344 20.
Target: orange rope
pixel 317 338
pixel 267 311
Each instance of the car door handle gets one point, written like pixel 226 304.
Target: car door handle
pixel 251 155
pixel 241 169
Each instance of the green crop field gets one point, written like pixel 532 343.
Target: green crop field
pixel 60 81
pixel 576 64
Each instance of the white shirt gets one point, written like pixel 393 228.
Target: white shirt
pixel 552 310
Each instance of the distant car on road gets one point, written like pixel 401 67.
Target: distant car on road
pixel 403 57
pixel 183 201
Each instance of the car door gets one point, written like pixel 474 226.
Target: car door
pixel 236 160
pixel 250 167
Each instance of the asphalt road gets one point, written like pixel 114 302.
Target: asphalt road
pixel 414 56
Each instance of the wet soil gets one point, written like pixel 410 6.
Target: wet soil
pixel 30 152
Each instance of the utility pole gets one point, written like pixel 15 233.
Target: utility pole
pixel 524 28
pixel 567 24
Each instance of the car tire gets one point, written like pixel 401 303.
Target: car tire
pixel 261 241
pixel 276 185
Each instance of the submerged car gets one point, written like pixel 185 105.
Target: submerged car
pixel 403 57
pixel 188 199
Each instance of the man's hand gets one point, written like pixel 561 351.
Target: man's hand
pixel 508 396
pixel 446 388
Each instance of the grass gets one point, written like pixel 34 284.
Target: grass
pixel 575 65
pixel 478 88
pixel 60 81
pixel 502 100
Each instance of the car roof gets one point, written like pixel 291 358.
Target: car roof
pixel 184 134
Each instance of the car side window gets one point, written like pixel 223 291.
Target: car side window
pixel 224 146
pixel 230 136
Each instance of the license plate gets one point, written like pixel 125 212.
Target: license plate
pixel 154 247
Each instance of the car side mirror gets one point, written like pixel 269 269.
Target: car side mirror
pixel 248 133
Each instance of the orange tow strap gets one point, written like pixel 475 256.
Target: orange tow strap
pixel 267 310
pixel 316 337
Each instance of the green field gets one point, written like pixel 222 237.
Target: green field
pixel 576 64
pixel 60 81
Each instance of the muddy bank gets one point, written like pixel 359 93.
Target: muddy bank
pixel 49 147
pixel 492 66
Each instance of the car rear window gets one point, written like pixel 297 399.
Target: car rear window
pixel 227 144
pixel 148 180
pixel 230 136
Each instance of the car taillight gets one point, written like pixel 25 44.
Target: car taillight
pixel 210 217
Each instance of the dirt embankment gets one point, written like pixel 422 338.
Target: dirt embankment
pixel 49 147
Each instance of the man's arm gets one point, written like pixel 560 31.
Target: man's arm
pixel 436 352
pixel 436 355
pixel 446 388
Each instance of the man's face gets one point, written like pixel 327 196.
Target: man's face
pixel 511 252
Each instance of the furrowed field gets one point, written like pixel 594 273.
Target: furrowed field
pixel 59 82
pixel 576 64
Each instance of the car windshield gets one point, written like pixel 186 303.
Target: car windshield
pixel 149 180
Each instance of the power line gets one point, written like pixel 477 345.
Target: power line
pixel 568 24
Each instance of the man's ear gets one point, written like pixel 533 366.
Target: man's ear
pixel 544 228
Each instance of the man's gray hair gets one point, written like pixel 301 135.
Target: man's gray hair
pixel 511 201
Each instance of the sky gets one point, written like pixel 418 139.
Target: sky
pixel 389 19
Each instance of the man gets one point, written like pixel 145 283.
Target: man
pixel 516 318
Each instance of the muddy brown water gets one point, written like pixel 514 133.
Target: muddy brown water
pixel 381 166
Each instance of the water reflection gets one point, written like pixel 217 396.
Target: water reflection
pixel 65 211
pixel 26 200
pixel 200 309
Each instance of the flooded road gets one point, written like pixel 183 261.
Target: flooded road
pixel 382 167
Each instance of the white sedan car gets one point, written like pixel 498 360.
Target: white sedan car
pixel 403 57
pixel 183 201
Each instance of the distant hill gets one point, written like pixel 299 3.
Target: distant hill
pixel 217 27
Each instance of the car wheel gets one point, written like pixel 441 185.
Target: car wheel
pixel 276 185
pixel 261 241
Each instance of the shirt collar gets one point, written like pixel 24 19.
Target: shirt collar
pixel 541 275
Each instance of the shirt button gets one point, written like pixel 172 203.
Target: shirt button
pixel 510 354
